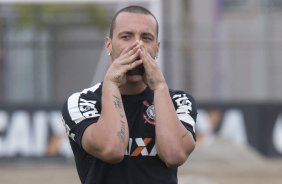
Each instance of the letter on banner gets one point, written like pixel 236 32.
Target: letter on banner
pixel 277 134
pixel 233 127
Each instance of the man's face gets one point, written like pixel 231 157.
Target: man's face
pixel 134 27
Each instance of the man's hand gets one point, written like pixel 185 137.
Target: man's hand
pixel 123 63
pixel 153 76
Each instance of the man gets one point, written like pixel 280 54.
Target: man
pixel 131 129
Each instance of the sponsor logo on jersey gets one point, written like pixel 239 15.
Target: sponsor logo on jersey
pixel 141 147
pixel 184 105
pixel 149 114
pixel 87 108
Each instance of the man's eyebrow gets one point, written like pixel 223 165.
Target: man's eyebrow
pixel 147 34
pixel 126 32
pixel 142 34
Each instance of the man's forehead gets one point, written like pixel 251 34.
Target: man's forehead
pixel 130 14
pixel 124 18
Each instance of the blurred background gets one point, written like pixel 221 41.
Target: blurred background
pixel 226 53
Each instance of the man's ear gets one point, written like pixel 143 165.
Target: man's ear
pixel 158 47
pixel 108 45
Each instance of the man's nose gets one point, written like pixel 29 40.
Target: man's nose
pixel 139 41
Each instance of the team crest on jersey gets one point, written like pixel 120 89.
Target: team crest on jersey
pixel 149 114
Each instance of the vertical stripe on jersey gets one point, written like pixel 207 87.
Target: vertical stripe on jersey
pixel 186 118
pixel 73 108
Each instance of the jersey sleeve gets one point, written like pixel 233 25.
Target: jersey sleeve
pixel 186 110
pixel 81 110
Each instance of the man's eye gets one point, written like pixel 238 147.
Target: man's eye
pixel 125 37
pixel 147 38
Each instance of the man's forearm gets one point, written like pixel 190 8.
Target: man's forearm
pixel 113 112
pixel 108 138
pixel 174 142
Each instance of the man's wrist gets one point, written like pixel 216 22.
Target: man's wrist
pixel 160 88
pixel 109 84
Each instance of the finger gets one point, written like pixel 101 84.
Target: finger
pixel 131 55
pixel 149 63
pixel 134 64
pixel 147 57
pixel 130 48
pixel 131 58
pixel 143 56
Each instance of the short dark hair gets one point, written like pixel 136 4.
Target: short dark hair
pixel 132 9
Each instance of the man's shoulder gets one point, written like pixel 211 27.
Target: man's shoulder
pixel 95 88
pixel 89 93
pixel 90 90
pixel 175 92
